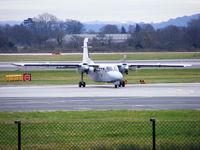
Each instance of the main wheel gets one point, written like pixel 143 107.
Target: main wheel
pixel 123 84
pixel 115 86
pixel 80 84
pixel 84 84
pixel 120 84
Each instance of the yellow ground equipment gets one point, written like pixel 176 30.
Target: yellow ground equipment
pixel 18 77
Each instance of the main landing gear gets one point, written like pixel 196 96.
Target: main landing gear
pixel 82 83
pixel 120 84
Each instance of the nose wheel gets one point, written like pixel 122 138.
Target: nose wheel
pixel 120 84
pixel 82 83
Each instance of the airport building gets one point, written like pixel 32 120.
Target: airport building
pixel 116 38
pixel 28 22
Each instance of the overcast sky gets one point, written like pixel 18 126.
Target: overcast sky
pixel 102 10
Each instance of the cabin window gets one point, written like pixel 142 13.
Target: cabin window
pixel 115 68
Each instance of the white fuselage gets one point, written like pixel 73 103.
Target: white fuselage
pixel 105 73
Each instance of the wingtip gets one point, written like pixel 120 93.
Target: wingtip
pixel 187 65
pixel 16 64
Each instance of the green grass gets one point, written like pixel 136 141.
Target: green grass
pixel 99 114
pixel 102 134
pixel 114 129
pixel 165 76
pixel 107 56
pixel 73 77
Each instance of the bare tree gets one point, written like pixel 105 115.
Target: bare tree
pixel 109 29
pixel 193 33
pixel 45 17
pixel 74 27
pixel 123 30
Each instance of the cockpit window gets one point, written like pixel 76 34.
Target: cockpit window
pixel 111 68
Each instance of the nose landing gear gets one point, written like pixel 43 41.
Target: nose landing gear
pixel 82 83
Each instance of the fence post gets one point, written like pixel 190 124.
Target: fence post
pixel 18 122
pixel 153 120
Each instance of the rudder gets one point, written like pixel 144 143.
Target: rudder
pixel 86 58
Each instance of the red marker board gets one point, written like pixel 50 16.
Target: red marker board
pixel 27 77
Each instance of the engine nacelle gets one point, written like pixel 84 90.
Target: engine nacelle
pixel 91 69
pixel 124 69
pixel 84 68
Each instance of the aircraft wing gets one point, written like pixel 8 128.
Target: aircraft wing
pixel 125 67
pixel 48 64
pixel 137 65
pixel 51 64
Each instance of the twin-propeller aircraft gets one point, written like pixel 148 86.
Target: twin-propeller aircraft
pixel 111 73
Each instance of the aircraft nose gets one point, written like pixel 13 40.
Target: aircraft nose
pixel 115 75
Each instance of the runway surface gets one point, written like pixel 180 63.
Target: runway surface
pixel 100 97
pixel 195 63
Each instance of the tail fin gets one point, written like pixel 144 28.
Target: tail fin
pixel 86 58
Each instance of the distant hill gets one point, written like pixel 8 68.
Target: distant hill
pixel 180 21
pixel 97 25
pixel 10 22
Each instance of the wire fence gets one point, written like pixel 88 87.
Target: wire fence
pixel 104 134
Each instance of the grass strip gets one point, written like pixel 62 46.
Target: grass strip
pixel 107 56
pixel 107 130
pixel 63 77
pixel 99 114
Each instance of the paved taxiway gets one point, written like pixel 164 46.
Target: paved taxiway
pixel 195 63
pixel 100 97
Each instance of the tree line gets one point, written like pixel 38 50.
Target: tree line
pixel 45 33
